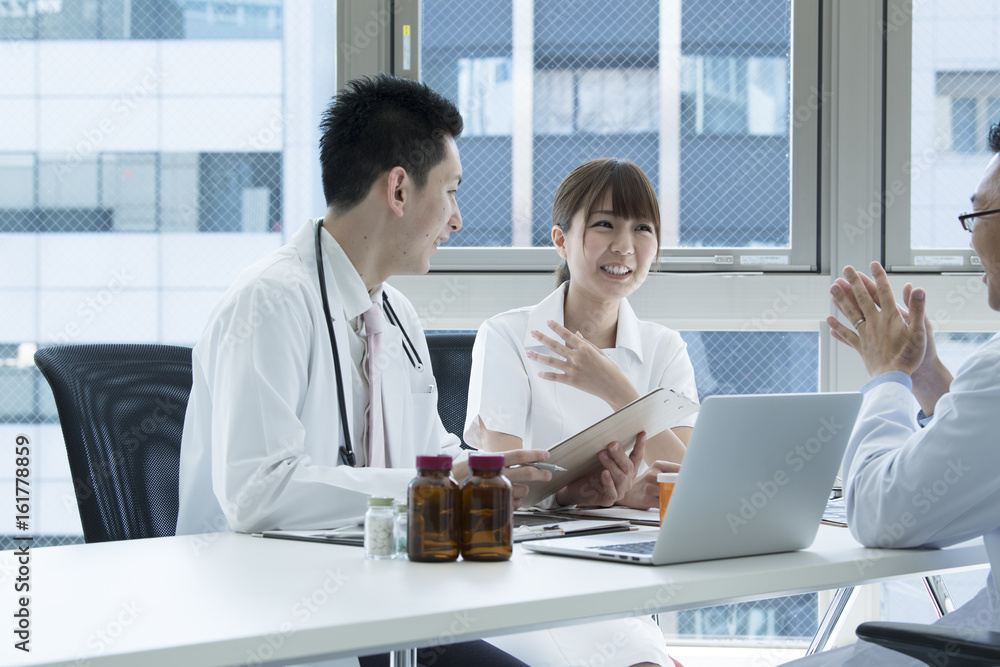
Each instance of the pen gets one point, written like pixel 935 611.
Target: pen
pixel 551 467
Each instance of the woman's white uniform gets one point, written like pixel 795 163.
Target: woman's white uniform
pixel 927 487
pixel 507 394
pixel 260 448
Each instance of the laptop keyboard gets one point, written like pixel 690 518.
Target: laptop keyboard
pixel 645 548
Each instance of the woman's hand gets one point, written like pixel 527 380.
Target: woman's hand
pixel 609 485
pixel 583 365
pixel 645 491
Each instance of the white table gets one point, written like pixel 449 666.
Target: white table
pixel 228 599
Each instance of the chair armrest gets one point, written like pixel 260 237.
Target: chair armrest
pixel 935 645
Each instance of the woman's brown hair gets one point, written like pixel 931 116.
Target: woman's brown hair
pixel 632 196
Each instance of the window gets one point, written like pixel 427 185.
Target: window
pixel 141 192
pixel 543 88
pixel 239 192
pixel 734 96
pixel 484 93
pixel 940 112
pixel 569 102
pixel 140 19
pixel 966 103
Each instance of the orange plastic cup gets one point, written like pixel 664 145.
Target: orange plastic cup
pixel 666 481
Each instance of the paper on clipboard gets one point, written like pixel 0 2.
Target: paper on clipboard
pixel 658 410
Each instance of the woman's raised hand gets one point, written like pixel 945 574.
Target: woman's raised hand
pixel 583 365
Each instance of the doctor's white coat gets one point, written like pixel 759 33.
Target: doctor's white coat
pixel 262 430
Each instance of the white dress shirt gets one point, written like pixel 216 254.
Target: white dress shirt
pixel 908 486
pixel 356 302
pixel 506 392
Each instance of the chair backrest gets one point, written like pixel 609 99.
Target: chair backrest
pixel 121 408
pixel 451 359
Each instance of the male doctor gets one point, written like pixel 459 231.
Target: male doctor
pixel 929 478
pixel 264 442
pixel 275 434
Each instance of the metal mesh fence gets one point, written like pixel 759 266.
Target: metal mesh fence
pixel 955 98
pixel 84 191
pixel 597 69
pixel 753 362
pixel 7 542
pixel 140 19
pixel 138 174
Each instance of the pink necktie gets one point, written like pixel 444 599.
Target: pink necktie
pixel 376 429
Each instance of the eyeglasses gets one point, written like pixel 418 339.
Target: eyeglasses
pixel 970 220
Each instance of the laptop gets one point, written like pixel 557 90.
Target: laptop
pixel 755 480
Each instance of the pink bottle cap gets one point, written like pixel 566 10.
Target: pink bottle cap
pixel 486 461
pixel 440 462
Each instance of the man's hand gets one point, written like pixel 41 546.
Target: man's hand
pixel 608 486
pixel 521 473
pixel 886 339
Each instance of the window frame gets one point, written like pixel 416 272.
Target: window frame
pixel 805 123
pixel 898 253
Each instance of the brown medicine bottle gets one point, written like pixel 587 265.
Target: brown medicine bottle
pixel 487 510
pixel 432 514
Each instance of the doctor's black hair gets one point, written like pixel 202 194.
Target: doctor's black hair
pixel 994 138
pixel 632 196
pixel 377 123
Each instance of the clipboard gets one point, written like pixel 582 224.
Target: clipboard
pixel 563 528
pixel 657 411
pixel 350 535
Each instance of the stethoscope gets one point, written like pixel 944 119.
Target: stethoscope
pixel 347 450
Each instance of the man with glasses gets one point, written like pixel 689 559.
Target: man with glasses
pixel 926 478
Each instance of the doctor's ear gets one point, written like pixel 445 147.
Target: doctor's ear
pixel 559 240
pixel 397 184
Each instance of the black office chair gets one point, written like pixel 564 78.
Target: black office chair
pixel 451 359
pixel 121 408
pixel 935 645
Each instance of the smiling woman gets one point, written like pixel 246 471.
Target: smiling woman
pixel 598 191
pixel 541 374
